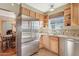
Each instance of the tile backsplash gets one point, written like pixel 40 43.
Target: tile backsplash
pixel 70 31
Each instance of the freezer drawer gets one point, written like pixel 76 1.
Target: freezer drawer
pixel 30 48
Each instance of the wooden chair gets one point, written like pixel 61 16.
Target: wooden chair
pixel 0 42
pixel 3 43
pixel 13 42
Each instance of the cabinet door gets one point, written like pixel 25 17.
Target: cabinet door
pixel 41 42
pixel 41 17
pixel 75 13
pixel 67 15
pixel 54 44
pixel 32 14
pixel 46 42
pixel 37 16
pixel 25 11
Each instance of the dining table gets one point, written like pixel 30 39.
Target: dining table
pixel 6 42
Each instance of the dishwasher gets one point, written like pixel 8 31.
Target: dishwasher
pixel 68 47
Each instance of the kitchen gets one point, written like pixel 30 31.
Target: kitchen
pixel 47 29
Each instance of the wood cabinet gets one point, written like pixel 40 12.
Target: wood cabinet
pixel 32 14
pixel 71 14
pixel 41 17
pixel 38 16
pixel 54 44
pixel 46 20
pixel 75 14
pixel 67 15
pixel 50 43
pixel 41 45
pixel 46 42
pixel 25 11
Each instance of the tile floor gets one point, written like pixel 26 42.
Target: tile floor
pixel 44 52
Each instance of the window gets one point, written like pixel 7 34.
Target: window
pixel 56 23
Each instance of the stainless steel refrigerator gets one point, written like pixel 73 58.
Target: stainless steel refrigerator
pixel 29 36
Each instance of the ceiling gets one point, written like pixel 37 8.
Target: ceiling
pixel 44 7
pixel 8 11
pixel 12 7
pixel 5 15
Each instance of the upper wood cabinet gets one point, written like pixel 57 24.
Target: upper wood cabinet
pixel 37 16
pixel 46 20
pixel 71 14
pixel 41 17
pixel 75 14
pixel 25 11
pixel 32 14
pixel 67 15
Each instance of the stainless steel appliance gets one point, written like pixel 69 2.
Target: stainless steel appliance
pixel 68 47
pixel 30 36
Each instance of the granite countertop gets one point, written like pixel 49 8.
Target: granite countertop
pixel 68 37
pixel 61 36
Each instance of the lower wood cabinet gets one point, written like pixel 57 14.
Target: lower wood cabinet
pixel 46 42
pixel 54 44
pixel 50 43
pixel 41 42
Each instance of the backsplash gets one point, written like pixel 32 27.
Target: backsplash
pixel 69 31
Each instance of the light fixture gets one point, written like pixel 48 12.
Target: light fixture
pixel 51 8
pixel 12 4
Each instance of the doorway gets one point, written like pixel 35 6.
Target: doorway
pixel 8 13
